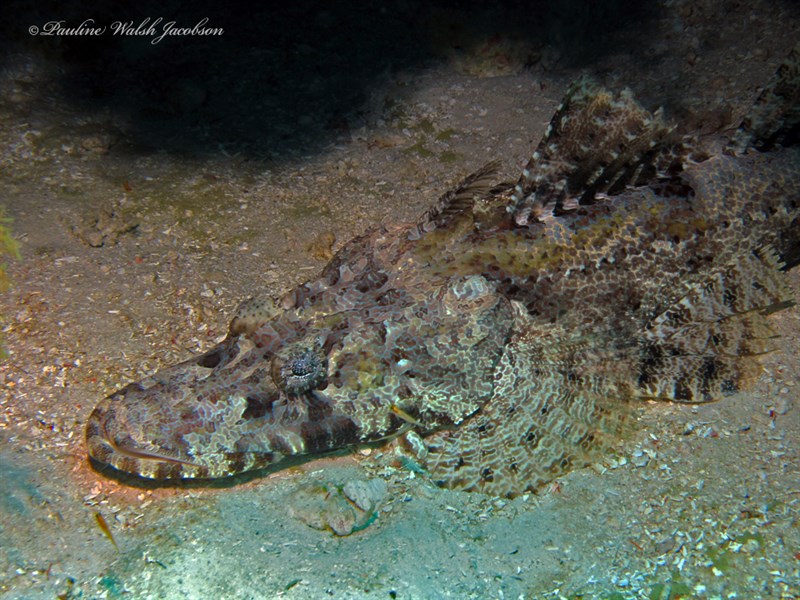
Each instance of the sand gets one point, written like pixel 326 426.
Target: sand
pixel 154 186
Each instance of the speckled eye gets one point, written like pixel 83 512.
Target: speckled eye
pixel 299 368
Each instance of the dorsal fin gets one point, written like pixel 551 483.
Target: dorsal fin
pixel 775 116
pixel 597 142
pixel 457 201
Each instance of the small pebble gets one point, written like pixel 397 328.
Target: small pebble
pixel 784 403
pixel 665 545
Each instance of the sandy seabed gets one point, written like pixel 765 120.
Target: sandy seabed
pixel 142 222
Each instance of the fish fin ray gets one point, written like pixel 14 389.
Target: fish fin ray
pixel 597 142
pixel 559 406
pixel 704 345
pixel 459 200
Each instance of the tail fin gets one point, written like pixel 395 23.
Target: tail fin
pixel 775 117
pixel 596 143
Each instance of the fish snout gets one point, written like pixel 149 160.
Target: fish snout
pixel 120 435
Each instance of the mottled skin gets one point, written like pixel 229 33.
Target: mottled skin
pixel 512 326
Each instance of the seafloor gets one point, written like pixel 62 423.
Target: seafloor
pixel 154 186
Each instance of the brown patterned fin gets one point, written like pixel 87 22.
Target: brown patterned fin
pixel 558 405
pixel 597 142
pixel 561 401
pixel 702 347
pixel 775 115
pixel 457 201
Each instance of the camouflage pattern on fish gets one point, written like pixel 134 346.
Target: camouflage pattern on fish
pixel 512 327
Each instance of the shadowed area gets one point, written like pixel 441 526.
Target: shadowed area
pixel 285 80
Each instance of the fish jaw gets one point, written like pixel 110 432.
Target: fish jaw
pixel 120 435
pixel 111 443
pixel 219 414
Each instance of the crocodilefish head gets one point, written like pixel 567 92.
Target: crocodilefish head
pixel 354 357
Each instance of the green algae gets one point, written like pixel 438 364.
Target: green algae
pixel 674 589
pixel 113 586
pixel 448 157
pixel 724 557
pixel 8 249
pixel 445 134
pixel 426 126
pixel 304 208
pixel 419 149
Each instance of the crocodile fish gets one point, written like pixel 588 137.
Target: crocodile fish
pixel 511 330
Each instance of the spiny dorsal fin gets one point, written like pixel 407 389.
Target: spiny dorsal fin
pixel 775 116
pixel 597 142
pixel 457 201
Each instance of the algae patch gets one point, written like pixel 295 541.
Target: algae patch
pixel 8 249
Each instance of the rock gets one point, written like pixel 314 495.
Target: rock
pixel 341 509
pixel 366 495
pixel 96 143
pixel 104 228
pixel 665 545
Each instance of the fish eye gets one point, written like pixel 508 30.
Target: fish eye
pixel 300 368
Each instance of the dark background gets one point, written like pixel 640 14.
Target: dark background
pixel 284 78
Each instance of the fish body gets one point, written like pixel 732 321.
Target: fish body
pixel 513 325
pixel 103 525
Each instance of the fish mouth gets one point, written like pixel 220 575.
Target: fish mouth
pixel 111 443
pixel 125 450
pixel 213 416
